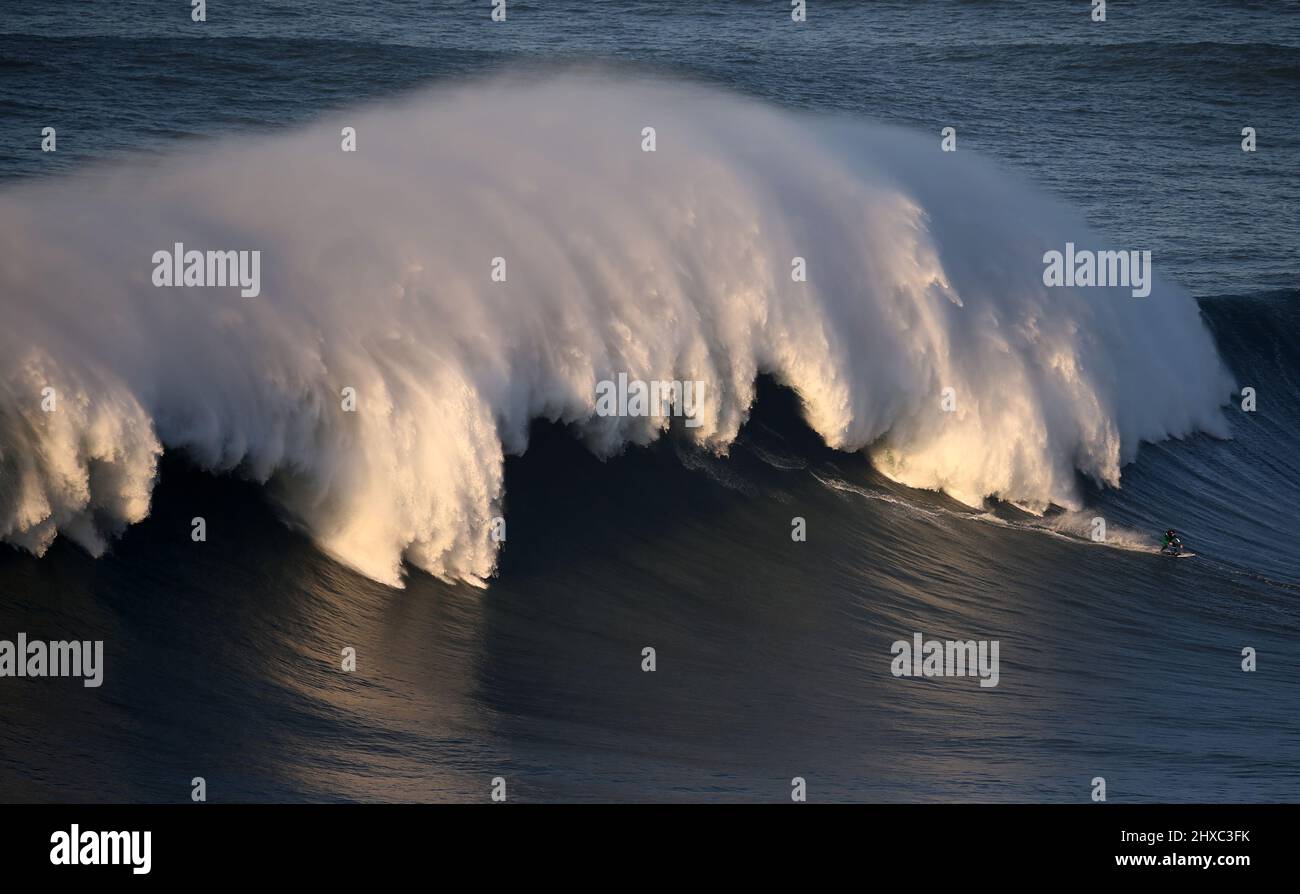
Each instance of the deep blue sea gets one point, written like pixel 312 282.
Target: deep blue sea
pixel 773 661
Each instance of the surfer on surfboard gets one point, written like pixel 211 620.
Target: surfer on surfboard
pixel 1172 545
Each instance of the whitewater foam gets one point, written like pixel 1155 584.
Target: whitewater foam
pixel 924 273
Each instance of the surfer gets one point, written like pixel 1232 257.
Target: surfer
pixel 1172 544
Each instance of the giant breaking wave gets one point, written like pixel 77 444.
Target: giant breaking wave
pixel 924 273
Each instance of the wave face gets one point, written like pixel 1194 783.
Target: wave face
pixel 924 273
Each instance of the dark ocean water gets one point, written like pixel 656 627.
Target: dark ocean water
pixel 773 656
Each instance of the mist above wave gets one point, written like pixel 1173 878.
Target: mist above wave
pixel 924 272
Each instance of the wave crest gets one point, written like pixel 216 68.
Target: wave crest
pixel 924 273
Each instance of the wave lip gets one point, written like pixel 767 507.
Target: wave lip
pixel 924 273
